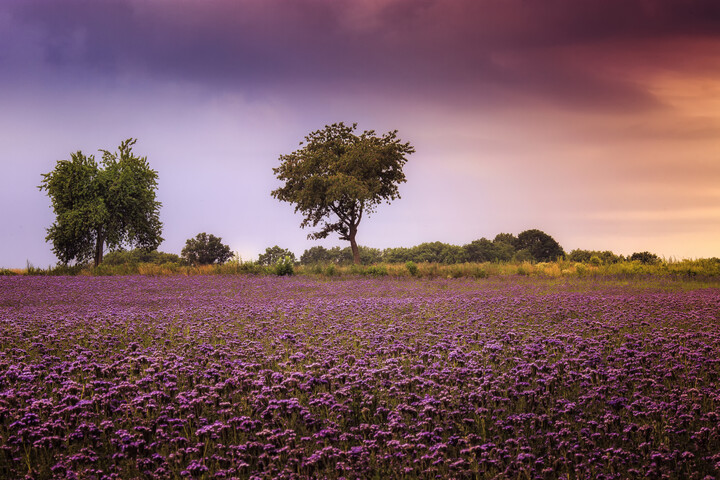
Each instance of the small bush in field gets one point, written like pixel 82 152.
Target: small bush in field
pixel 376 270
pixel 274 254
pixel 284 266
pixel 524 269
pixel 412 268
pixel 595 261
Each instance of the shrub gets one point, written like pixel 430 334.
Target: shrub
pixel 524 269
pixel 412 268
pixel 274 254
pixel 583 256
pixel 171 266
pixel 581 269
pixel 250 267
pixel 376 270
pixel 284 266
pixel 595 261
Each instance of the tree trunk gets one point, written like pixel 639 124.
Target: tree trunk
pixel 99 248
pixel 354 247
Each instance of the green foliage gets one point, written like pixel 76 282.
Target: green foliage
pixel 484 250
pixel 584 256
pixel 412 268
pixel 438 252
pixel 205 249
pixel 580 256
pixel 338 177
pixel 284 266
pixel 316 255
pixel 523 255
pixel 376 270
pixel 595 261
pixel 368 255
pixel 524 269
pixel 397 255
pixel 63 270
pixel 7 272
pixel 274 254
pixel 504 251
pixel 646 258
pixel 135 256
pixel 508 238
pixel 30 269
pixel 237 266
pixel 96 205
pixel 431 252
pixel 340 256
pixel 541 246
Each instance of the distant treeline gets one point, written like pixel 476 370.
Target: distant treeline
pixel 529 246
pixel 517 253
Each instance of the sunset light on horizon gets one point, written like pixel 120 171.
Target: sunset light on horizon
pixel 597 122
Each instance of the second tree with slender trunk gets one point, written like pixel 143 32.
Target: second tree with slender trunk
pixel 338 176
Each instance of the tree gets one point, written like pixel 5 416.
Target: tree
pixel 273 254
pixel 508 238
pixel 584 256
pixel 541 246
pixel 339 176
pixel 315 255
pixel 397 255
pixel 205 249
pixel 503 250
pixel 97 205
pixel 646 258
pixel 482 250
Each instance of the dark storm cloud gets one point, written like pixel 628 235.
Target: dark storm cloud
pixel 468 49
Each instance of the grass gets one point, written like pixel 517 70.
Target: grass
pixel 699 269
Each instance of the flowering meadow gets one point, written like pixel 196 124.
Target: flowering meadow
pixel 284 377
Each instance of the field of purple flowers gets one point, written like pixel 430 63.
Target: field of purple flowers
pixel 274 377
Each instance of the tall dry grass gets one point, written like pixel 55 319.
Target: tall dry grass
pixel 701 268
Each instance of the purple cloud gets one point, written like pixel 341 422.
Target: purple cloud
pixel 483 48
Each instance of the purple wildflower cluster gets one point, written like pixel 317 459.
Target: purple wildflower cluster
pixel 269 377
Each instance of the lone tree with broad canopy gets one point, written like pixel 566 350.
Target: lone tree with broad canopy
pixel 337 176
pixel 111 203
pixel 205 249
pixel 541 246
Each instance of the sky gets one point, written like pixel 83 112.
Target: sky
pixel 595 121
